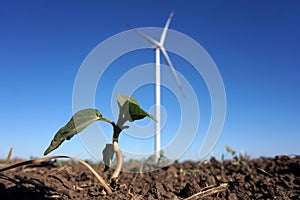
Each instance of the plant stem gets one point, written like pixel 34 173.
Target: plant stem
pixel 119 160
pixel 117 131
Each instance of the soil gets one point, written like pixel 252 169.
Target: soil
pixel 262 178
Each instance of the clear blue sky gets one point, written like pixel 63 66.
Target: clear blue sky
pixel 255 44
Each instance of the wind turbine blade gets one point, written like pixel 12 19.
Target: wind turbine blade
pixel 149 39
pixel 165 54
pixel 164 33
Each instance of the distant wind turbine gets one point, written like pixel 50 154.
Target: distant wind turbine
pixel 159 47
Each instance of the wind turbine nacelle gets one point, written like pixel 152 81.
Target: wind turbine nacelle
pixel 154 47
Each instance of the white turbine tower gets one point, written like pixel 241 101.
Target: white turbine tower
pixel 159 47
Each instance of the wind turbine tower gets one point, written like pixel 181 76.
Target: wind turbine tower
pixel 159 47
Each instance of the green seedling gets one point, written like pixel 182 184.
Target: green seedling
pixel 236 159
pixel 129 110
pixel 233 153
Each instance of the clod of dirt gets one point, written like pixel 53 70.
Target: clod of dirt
pixel 83 177
pixel 189 189
pixel 157 190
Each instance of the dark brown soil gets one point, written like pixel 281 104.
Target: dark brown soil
pixel 263 178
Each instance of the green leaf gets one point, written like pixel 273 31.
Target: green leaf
pixel 123 99
pixel 78 122
pixel 130 109
pixel 108 154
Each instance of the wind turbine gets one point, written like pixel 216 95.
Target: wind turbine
pixel 159 47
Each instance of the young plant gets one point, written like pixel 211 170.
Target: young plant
pixel 129 110
pixel 232 152
pixel 236 159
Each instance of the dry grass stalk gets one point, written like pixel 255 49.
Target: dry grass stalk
pixel 39 160
pixel 208 192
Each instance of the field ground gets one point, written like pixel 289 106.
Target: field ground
pixel 262 178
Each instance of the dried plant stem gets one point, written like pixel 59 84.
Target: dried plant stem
pixel 208 192
pixel 96 174
pixel 38 185
pixel 39 160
